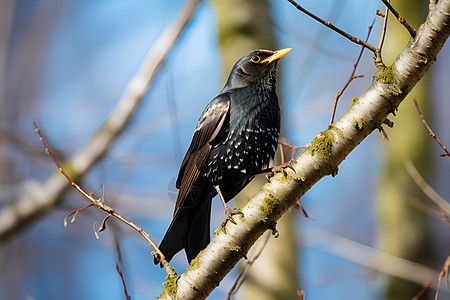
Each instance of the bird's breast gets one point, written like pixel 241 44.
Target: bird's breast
pixel 251 139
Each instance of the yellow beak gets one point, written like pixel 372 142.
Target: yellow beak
pixel 277 55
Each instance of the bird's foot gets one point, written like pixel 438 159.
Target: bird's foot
pixel 229 213
pixel 279 168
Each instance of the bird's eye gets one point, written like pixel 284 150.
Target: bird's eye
pixel 255 58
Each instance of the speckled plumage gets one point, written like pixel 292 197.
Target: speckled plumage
pixel 235 139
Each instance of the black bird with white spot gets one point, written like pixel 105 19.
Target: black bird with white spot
pixel 235 139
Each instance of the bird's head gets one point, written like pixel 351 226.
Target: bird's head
pixel 257 66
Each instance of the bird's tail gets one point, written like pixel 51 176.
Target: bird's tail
pixel 189 230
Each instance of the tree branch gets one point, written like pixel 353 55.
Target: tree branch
pixel 383 30
pixel 352 76
pixel 402 20
pixel 330 147
pixel 332 27
pixel 443 205
pixel 46 195
pixel 432 134
pixel 377 260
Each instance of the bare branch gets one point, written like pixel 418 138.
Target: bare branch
pixel 444 270
pixel 383 31
pixel 367 256
pixel 243 274
pixel 402 20
pixel 431 131
pixel 127 296
pixel 426 188
pixel 75 213
pixel 351 78
pixel 331 26
pixel 284 142
pixel 100 203
pixel 48 194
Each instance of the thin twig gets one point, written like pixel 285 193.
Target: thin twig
pixel 402 20
pixel 101 204
pixel 428 209
pixel 127 296
pixel 383 133
pixel 120 264
pixel 352 76
pixel 243 274
pixel 299 205
pixel 284 142
pixel 100 142
pixel 331 26
pixel 431 131
pixel 426 188
pixel 75 213
pixel 383 31
pixel 369 257
pixel 289 146
pixel 444 270
pixel 300 294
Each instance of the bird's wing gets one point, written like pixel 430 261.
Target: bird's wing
pixel 208 127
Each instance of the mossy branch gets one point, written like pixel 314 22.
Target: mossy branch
pixel 331 146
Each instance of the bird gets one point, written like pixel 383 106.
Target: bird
pixel 235 139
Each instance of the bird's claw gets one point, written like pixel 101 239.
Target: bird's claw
pixel 229 213
pixel 222 226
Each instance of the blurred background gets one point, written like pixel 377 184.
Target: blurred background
pixel 372 234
